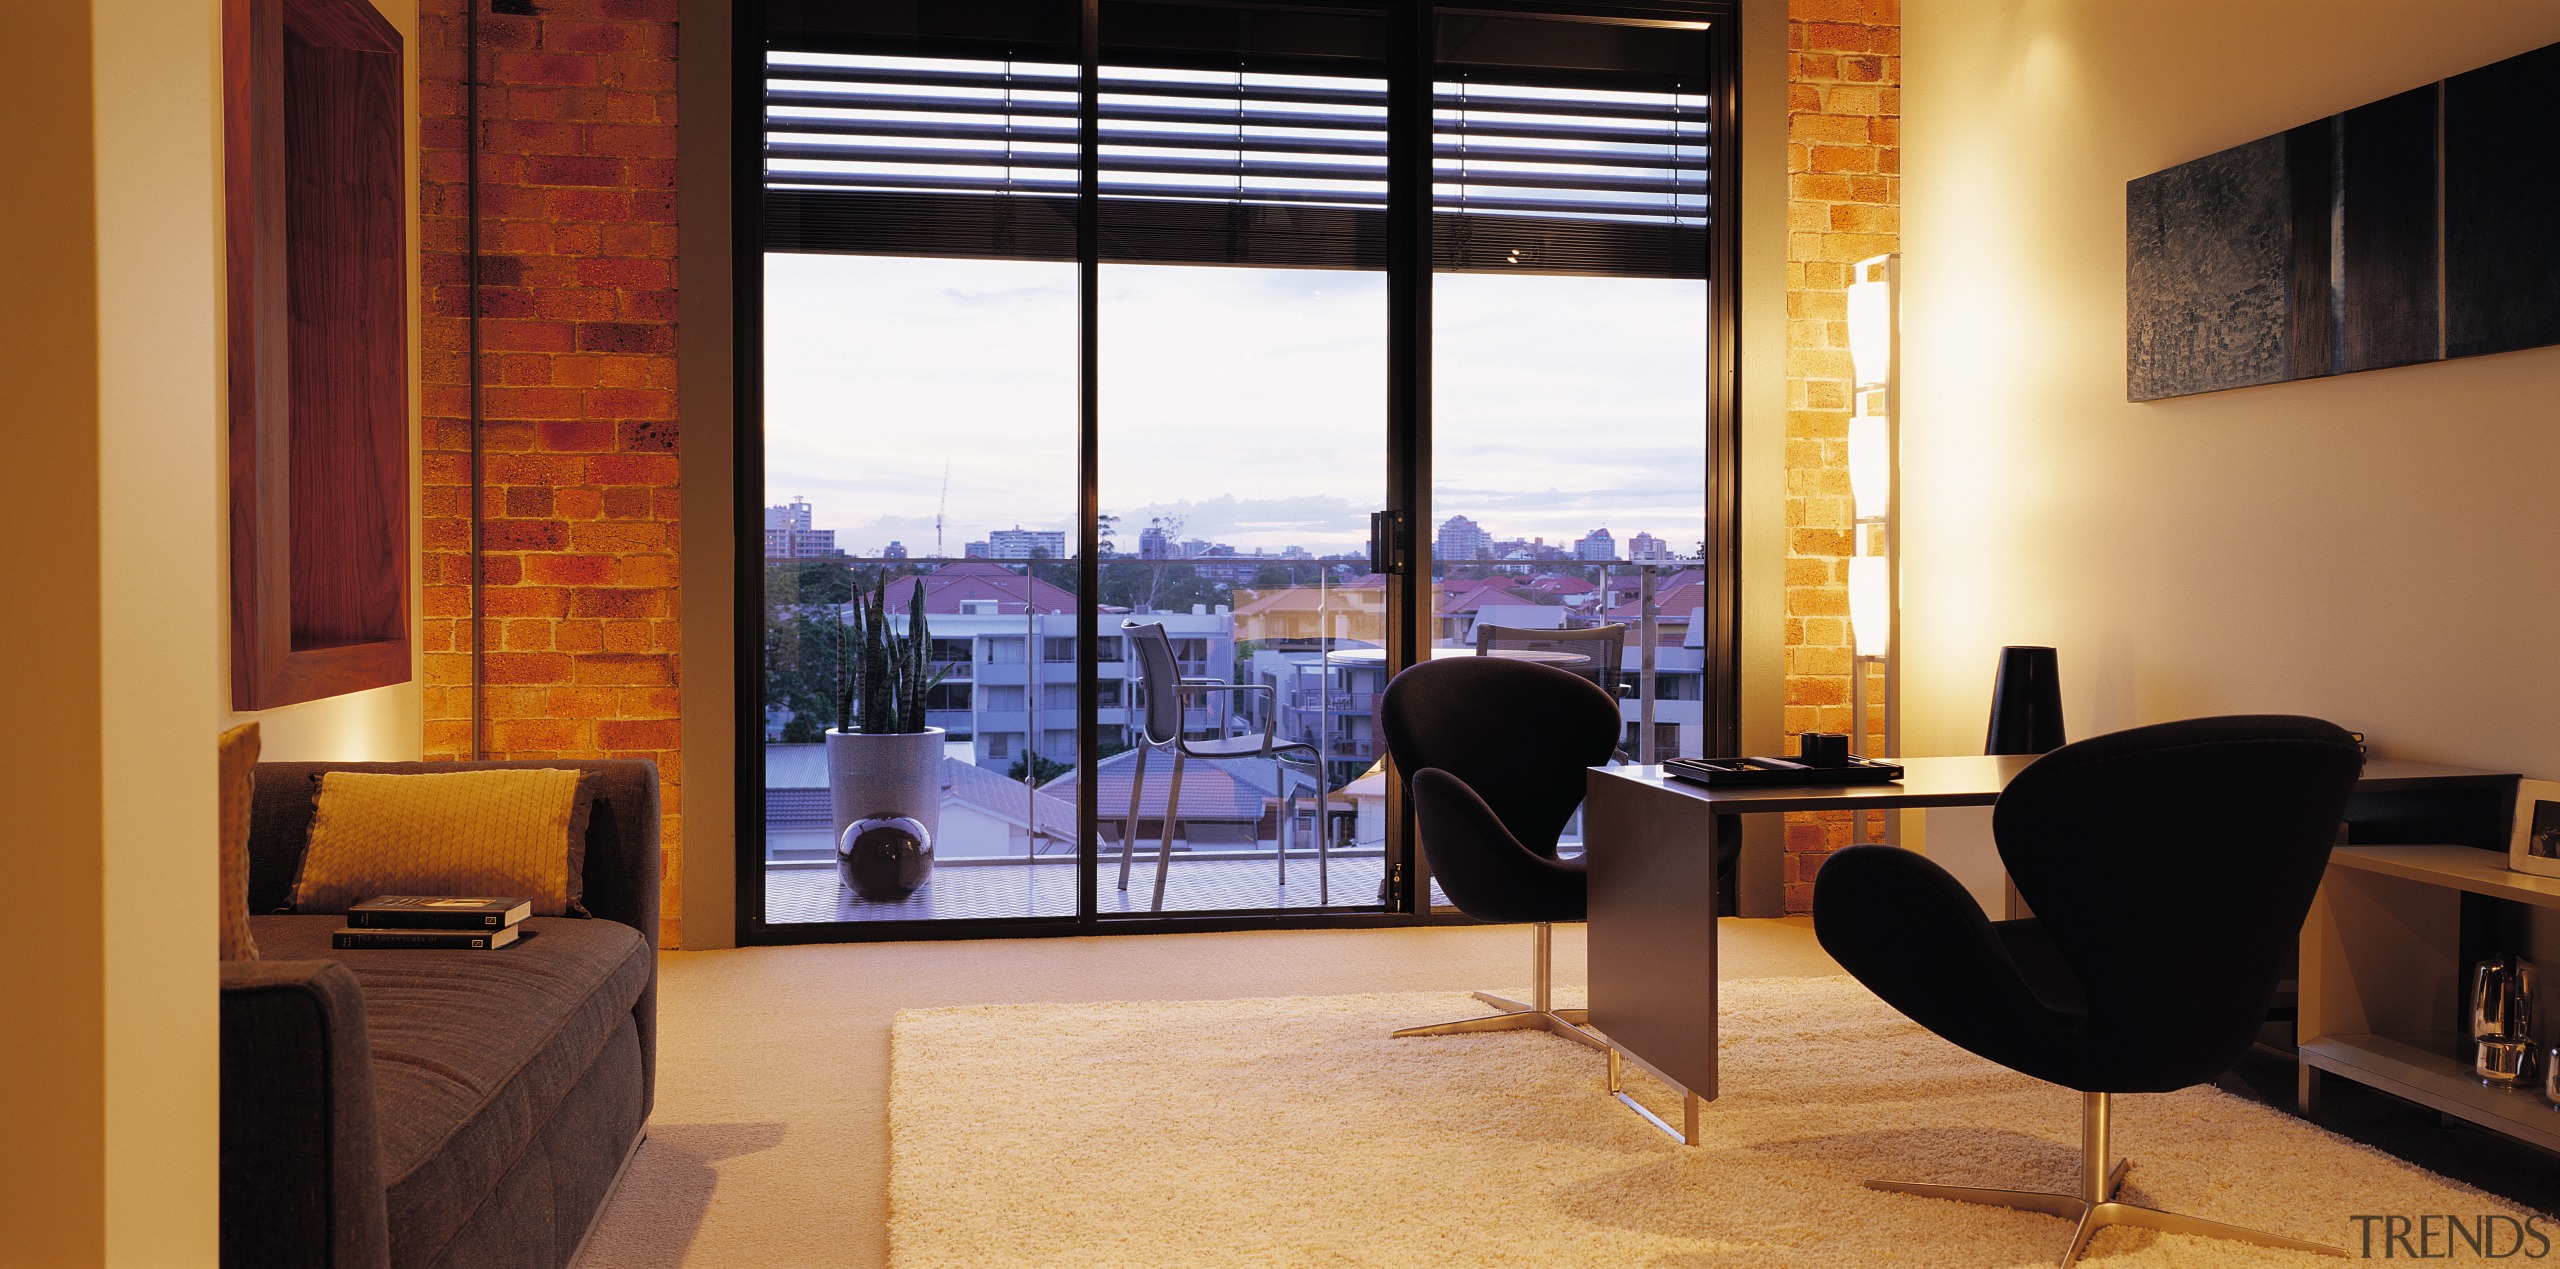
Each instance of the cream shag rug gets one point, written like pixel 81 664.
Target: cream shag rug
pixel 1293 1132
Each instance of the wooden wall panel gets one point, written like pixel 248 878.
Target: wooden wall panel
pixel 348 454
pixel 319 350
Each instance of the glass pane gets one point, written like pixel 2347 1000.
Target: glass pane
pixel 1243 448
pixel 920 434
pixel 1568 466
pixel 1570 363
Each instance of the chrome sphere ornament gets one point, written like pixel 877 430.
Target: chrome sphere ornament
pixel 885 858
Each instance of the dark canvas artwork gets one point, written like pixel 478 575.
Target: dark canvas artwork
pixel 2386 231
pixel 2356 242
pixel 2208 249
pixel 2502 207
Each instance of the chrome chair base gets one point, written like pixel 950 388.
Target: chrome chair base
pixel 2096 1208
pixel 1515 1016
pixel 1539 1014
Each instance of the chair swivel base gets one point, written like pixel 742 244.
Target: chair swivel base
pixel 2096 1208
pixel 1515 1016
pixel 1540 1014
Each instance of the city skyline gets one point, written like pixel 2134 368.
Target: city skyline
pixel 1017 542
pixel 1278 441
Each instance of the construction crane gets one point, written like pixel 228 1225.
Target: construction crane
pixel 941 507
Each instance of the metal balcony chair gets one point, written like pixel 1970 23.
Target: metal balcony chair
pixel 1169 697
pixel 1597 653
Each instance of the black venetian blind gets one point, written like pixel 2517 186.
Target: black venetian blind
pixel 1236 134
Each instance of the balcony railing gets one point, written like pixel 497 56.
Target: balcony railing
pixel 1314 700
pixel 1309 627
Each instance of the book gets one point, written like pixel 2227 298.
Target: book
pixel 436 912
pixel 472 940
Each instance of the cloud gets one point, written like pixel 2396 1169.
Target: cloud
pixel 1250 401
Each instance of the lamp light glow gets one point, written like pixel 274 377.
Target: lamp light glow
pixel 1871 466
pixel 1871 322
pixel 1870 605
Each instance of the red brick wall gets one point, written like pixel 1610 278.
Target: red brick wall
pixel 578 230
pixel 1844 161
pixel 578 374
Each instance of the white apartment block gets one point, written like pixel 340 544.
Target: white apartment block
pixel 1018 543
pixel 1010 678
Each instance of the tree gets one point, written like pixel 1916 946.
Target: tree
pixel 1040 768
pixel 1168 528
pixel 1125 583
pixel 810 581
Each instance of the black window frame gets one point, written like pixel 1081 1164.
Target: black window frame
pixel 1409 260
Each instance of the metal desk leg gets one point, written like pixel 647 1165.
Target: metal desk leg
pixel 1652 856
pixel 1686 1134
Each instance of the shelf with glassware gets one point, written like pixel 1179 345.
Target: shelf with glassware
pixel 2390 995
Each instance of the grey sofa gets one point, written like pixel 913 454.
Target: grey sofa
pixel 429 1109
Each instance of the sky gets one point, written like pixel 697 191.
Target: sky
pixel 1250 403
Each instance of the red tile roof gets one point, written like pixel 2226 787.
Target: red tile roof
pixel 947 587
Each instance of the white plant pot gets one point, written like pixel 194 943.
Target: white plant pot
pixel 899 773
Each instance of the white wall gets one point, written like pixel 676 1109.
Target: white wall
pixel 2380 549
pixel 113 512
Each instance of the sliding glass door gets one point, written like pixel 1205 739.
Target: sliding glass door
pixel 1255 331
pixel 1243 435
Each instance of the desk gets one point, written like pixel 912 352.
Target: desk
pixel 1651 846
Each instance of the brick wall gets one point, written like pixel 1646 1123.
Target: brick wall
pixel 1843 194
pixel 578 375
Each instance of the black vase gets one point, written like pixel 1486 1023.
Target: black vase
pixel 885 858
pixel 2026 703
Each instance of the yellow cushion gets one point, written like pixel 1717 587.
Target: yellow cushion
pixel 487 833
pixel 238 756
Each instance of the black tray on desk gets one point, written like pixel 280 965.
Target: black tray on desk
pixel 1748 773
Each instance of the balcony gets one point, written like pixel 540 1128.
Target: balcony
pixel 1047 887
pixel 1005 846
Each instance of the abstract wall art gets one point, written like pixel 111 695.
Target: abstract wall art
pixel 2409 229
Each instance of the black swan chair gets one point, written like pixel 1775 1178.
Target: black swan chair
pixel 1494 753
pixel 2169 869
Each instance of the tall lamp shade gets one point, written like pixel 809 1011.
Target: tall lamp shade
pixel 1870 605
pixel 2026 703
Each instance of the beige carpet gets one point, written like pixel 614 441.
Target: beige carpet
pixel 1291 1131
pixel 770 1145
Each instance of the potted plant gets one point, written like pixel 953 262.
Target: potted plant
pixel 890 765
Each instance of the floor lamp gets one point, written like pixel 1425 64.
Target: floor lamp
pixel 1875 573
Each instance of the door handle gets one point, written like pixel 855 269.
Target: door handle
pixel 1387 542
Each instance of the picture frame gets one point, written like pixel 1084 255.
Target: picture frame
pixel 2534 844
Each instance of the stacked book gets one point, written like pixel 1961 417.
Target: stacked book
pixel 414 920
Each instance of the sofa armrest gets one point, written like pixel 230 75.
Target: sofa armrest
pixel 301 1157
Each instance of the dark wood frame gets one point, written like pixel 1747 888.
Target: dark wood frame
pixel 1409 404
pixel 316 202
